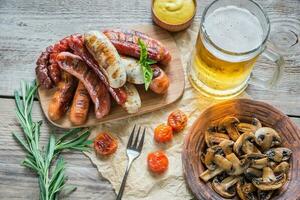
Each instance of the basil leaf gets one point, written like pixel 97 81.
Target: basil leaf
pixel 145 63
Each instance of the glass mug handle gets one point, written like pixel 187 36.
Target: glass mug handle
pixel 279 61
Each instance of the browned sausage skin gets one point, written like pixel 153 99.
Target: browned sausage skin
pixel 62 97
pixel 160 82
pixel 80 105
pixel 126 43
pixel 74 65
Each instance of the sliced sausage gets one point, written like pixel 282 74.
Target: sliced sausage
pixel 133 101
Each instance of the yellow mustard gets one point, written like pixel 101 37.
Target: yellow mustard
pixel 174 11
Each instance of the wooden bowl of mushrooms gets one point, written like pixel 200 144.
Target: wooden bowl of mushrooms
pixel 243 149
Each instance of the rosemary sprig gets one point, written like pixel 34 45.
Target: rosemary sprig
pixel 51 183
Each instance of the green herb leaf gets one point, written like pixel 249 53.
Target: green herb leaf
pixel 145 63
pixel 38 160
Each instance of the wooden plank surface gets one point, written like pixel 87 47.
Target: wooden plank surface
pixel 16 182
pixel 27 27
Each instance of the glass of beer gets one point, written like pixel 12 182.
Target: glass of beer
pixel 232 35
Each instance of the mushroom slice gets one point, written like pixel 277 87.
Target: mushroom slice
pixel 264 195
pixel 230 125
pixel 267 137
pixel 251 173
pixel 258 161
pixel 249 127
pixel 225 187
pixel 246 190
pixel 214 138
pixel 279 154
pixel 269 181
pixel 214 157
pixel 227 146
pixel 209 174
pixel 245 144
pixel 238 167
pixel 282 167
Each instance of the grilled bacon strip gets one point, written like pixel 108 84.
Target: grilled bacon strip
pixel 74 65
pixel 126 43
pixel 62 97
pixel 76 44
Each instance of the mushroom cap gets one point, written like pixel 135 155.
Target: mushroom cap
pixel 230 125
pixel 225 187
pixel 282 167
pixel 246 190
pixel 251 173
pixel 258 160
pixel 279 154
pixel 214 138
pixel 269 181
pixel 242 145
pixel 267 137
pixel 249 127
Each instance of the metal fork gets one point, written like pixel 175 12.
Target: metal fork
pixel 133 151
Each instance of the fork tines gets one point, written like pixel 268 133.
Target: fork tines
pixel 136 145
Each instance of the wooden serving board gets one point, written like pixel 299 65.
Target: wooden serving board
pixel 150 100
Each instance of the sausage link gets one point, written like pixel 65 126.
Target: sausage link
pixel 76 44
pixel 74 65
pixel 41 70
pixel 62 97
pixel 160 82
pixel 80 105
pixel 126 43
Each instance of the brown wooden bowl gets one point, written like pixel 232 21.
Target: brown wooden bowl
pixel 243 109
pixel 173 27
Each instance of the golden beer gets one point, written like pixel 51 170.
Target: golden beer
pixel 232 35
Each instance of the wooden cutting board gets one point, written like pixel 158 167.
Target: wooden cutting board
pixel 150 100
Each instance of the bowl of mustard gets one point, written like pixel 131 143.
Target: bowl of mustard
pixel 173 15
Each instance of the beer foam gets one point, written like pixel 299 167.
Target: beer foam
pixel 234 29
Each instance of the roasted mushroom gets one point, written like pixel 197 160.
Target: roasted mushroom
pixel 282 167
pixel 279 154
pixel 258 161
pixel 264 195
pixel 225 187
pixel 209 174
pixel 238 167
pixel 214 157
pixel 245 144
pixel 227 146
pixel 267 137
pixel 230 125
pixel 246 190
pixel 213 138
pixel 269 181
pixel 251 173
pixel 249 127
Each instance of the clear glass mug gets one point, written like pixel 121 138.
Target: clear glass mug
pixel 232 35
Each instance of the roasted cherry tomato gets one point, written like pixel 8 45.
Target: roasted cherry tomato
pixel 163 133
pixel 177 120
pixel 158 162
pixel 105 144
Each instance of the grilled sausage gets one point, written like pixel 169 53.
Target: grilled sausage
pixel 107 57
pixel 74 65
pixel 160 82
pixel 80 105
pixel 133 101
pixel 62 97
pixel 126 43
pixel 41 70
pixel 79 49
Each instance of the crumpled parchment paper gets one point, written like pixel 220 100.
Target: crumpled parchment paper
pixel 141 184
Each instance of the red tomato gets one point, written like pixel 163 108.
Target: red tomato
pixel 163 133
pixel 177 120
pixel 158 162
pixel 105 144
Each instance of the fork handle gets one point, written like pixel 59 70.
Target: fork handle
pixel 120 194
